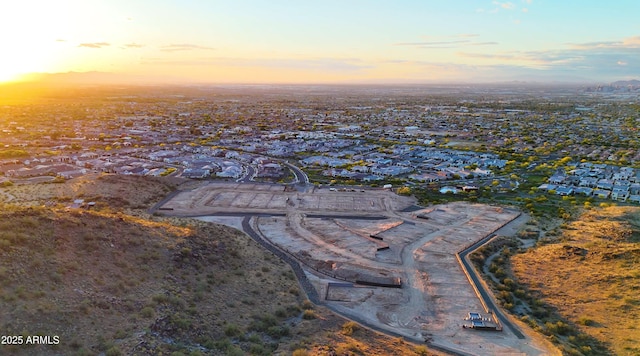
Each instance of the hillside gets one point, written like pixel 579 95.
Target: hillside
pixel 114 280
pixel 591 275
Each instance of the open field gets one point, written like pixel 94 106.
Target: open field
pixel 356 247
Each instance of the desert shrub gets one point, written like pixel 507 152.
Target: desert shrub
pixel 586 321
pixel 280 312
pixel 114 351
pixel 233 350
pixel 308 314
pixel 120 334
pixel 346 349
pixel 255 338
pixel 232 330
pixel 349 328
pixel 262 323
pixel 307 305
pixel 277 332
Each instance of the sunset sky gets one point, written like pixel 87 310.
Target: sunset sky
pixel 324 41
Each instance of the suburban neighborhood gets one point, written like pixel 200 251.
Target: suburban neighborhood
pixel 453 146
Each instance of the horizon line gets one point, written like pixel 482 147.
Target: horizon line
pixel 110 78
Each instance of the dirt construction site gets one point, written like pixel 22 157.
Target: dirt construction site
pixel 377 258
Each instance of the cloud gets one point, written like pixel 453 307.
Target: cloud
pixel 61 40
pixel 133 45
pixel 432 43
pixel 505 5
pixel 628 43
pixel 491 43
pixel 631 41
pixel 603 60
pixel 184 47
pixel 308 64
pixel 446 44
pixel 94 45
pixel 501 5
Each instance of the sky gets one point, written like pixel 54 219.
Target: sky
pixel 324 41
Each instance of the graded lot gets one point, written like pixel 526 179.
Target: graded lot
pixel 372 260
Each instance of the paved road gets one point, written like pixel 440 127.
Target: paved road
pixel 301 177
pixel 484 294
pixel 346 217
pixel 162 202
pixel 250 173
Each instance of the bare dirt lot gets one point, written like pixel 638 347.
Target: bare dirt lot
pixel 371 260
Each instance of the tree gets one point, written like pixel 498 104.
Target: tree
pixel 404 191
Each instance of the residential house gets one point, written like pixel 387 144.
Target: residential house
pixel 372 178
pixel 620 194
pixel 230 172
pixel 557 178
pixel 425 177
pixel 564 190
pixel 270 169
pixel 590 182
pixel 196 173
pixel 602 193
pixel 605 184
pixel 584 191
pixel 547 187
pixel 72 174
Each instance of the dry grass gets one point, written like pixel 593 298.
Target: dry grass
pixel 592 275
pixel 116 191
pixel 99 280
pixel 332 335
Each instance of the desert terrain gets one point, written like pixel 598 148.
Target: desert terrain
pixel 112 279
pixel 373 256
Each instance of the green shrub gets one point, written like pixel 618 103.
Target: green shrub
pixel 232 330
pixel 147 312
pixel 114 351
